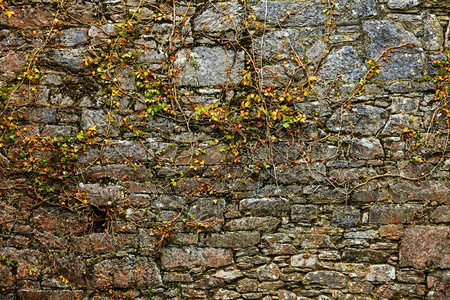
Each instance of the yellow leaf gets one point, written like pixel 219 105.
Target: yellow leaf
pixel 9 13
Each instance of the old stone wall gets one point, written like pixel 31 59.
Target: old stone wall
pixel 224 150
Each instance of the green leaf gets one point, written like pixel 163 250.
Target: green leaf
pixel 80 135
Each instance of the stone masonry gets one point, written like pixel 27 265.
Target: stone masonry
pixel 355 207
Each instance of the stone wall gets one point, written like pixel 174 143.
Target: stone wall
pixel 224 150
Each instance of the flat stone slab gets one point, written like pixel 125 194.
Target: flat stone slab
pixel 287 13
pixel 426 245
pixel 203 66
pixel 402 62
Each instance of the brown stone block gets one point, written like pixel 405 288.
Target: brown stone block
pixel 312 241
pixel 55 220
pixel 399 291
pixel 441 214
pixel 6 277
pixel 363 255
pixel 192 257
pixel 326 278
pixel 73 269
pixel 238 239
pixel 27 17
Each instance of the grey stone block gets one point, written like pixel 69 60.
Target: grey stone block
pixel 203 66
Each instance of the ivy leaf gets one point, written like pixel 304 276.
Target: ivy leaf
pixel 80 135
pixel 9 13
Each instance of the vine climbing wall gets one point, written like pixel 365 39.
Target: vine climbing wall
pixel 250 149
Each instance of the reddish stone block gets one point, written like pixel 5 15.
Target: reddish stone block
pixel 12 62
pixel 426 245
pixel 286 295
pixel 27 17
pixel 55 220
pixel 101 243
pixel 393 214
pixel 437 191
pixel 27 271
pixel 226 294
pixel 391 231
pixel 360 287
pixel 7 215
pixel 126 273
pixel 45 241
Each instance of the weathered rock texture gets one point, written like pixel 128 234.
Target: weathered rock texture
pixel 305 218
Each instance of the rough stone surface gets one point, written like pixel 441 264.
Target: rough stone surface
pixel 344 64
pixel 203 66
pixel 304 261
pixel 356 9
pixel 280 44
pixel 303 213
pixel 309 13
pixel 386 34
pixel 239 239
pixel 392 214
pixel 125 273
pixel 217 18
pixel 224 150
pixel 366 148
pixel 346 216
pixel 325 278
pixel 402 4
pixel 381 273
pixel 360 119
pixel 431 242
pixel 262 206
pixel 194 257
pixel 433 33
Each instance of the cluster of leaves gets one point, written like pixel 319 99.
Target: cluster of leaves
pixel 49 162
